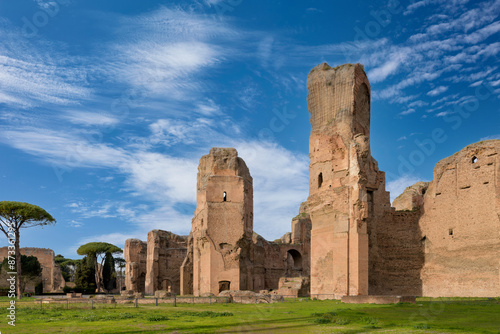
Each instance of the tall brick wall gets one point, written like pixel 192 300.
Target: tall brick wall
pixel 396 255
pixel 223 225
pixel 165 253
pixel 461 224
pixel 346 190
pixel 135 253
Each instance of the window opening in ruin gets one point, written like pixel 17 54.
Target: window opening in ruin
pixel 320 180
pixel 474 160
pixel 450 231
pixel 296 257
pixel 224 285
pixel 225 196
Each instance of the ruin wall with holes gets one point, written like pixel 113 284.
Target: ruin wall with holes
pixel 439 238
pixel 222 251
pixel 460 224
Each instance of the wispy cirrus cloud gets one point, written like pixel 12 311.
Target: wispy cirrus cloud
pixel 438 90
pixel 90 118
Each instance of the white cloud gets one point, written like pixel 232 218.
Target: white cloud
pixel 264 50
pixel 63 149
pixel 208 108
pixel 416 104
pixel 76 224
pixel 165 67
pixel 30 82
pixel 90 118
pixel 407 112
pixel 281 183
pixel 483 33
pixel 382 72
pixel 490 137
pixel 438 90
pixel 414 6
pixel 280 178
pixel 444 113
pixel 162 177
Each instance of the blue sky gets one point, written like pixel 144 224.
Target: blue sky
pixel 107 106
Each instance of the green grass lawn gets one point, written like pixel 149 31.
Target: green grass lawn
pixel 306 316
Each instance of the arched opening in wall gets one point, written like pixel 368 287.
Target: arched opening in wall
pixel 320 180
pixel 224 196
pixel 224 285
pixel 166 285
pixel 294 257
pixel 474 160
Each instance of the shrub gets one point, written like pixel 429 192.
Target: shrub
pixel 157 318
pixel 39 288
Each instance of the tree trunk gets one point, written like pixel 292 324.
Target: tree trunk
pixel 19 290
pixel 97 275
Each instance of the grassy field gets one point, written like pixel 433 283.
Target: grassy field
pixel 306 316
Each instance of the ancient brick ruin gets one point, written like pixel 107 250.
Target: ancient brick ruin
pixel 222 251
pixel 52 278
pixel 440 238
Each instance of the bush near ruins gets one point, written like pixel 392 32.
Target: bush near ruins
pixel 84 277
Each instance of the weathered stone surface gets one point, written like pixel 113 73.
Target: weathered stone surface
pixel 461 223
pixel 250 297
pixel 223 224
pixel 163 293
pixel 346 189
pixel 165 253
pixel 52 278
pixel 396 255
pixel 439 239
pixel 222 251
pixel 412 198
pixel 294 286
pixel 135 253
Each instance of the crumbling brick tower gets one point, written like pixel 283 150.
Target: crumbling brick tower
pixel 346 190
pixel 223 224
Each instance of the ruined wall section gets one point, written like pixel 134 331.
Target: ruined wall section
pixel 135 253
pixel 461 224
pixel 412 197
pixel 166 252
pixel 52 278
pixel 346 190
pixel 223 224
pixel 400 256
